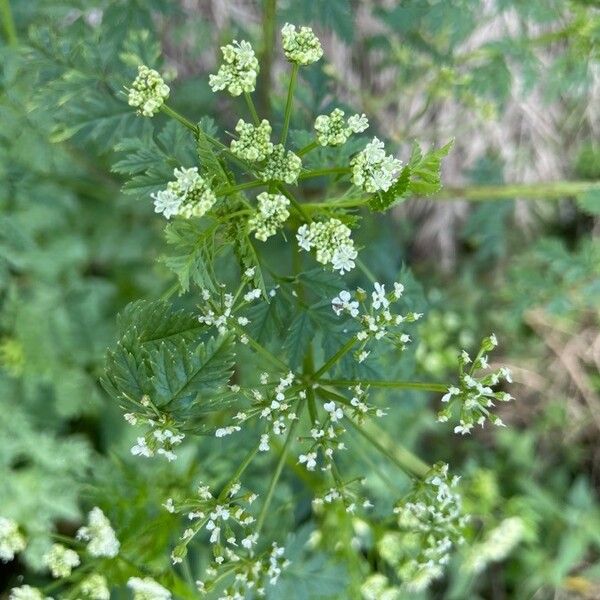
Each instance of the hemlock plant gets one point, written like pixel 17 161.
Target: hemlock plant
pixel 181 373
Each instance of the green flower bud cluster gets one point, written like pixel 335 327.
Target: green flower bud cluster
pixel 254 142
pixel 331 241
pixel 281 165
pixel 475 396
pixel 301 47
pixel 334 129
pixel 373 170
pixel 433 518
pixel 189 195
pixel 11 540
pixel 271 215
pixel 148 91
pixel 95 587
pixel 238 72
pixel 61 560
pixel 26 592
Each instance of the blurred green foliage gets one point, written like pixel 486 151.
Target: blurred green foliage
pixel 74 250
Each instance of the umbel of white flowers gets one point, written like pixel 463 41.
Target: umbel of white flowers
pixel 189 195
pixel 99 534
pixel 61 560
pixel 147 589
pixel 238 72
pixel 148 92
pixel 272 213
pixel 11 540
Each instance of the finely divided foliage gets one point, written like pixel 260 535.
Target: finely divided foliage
pixel 283 356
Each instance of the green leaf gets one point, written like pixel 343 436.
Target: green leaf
pixel 179 375
pixel 425 169
pixel 195 246
pixel 300 334
pixel 589 201
pixel 396 194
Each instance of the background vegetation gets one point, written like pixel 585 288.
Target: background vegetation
pixel 510 245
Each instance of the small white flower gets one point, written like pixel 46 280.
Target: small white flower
pixel 11 540
pixel 310 460
pixel 99 534
pixel 147 589
pixel 61 560
pixel 301 47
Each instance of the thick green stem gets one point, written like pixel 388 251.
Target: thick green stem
pixel 251 108
pixel 288 104
pixel 248 185
pixel 550 191
pixel 323 172
pixel 295 203
pixel 179 117
pixel 307 148
pixel 8 23
pixel 269 23
pixel 278 469
pixel 347 203
pixel 398 385
pixel 341 352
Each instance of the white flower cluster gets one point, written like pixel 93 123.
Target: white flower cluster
pixel 324 440
pixel 373 170
pixel 475 396
pixel 147 589
pixel 220 310
pixel 331 241
pixel 11 540
pixel 99 534
pixel 301 47
pixel 95 587
pixel 281 165
pixel 334 129
pixel 160 441
pixel 249 576
pixel 189 195
pixel 225 518
pixel 272 213
pixel 433 513
pixel 377 587
pixel 496 546
pixel 377 322
pixel 61 560
pixel 275 406
pixel 360 407
pixel 26 592
pixel 148 91
pixel 254 141
pixel 238 72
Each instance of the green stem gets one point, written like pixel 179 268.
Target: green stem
pixel 550 191
pixel 341 352
pixel 295 203
pixel 179 117
pixel 278 469
pixel 381 440
pixel 288 104
pixel 399 455
pixel 248 185
pixel 269 23
pixel 349 203
pixel 10 31
pixel 323 172
pixel 251 108
pixel 238 473
pixel 262 350
pixel 398 385
pixel 314 144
